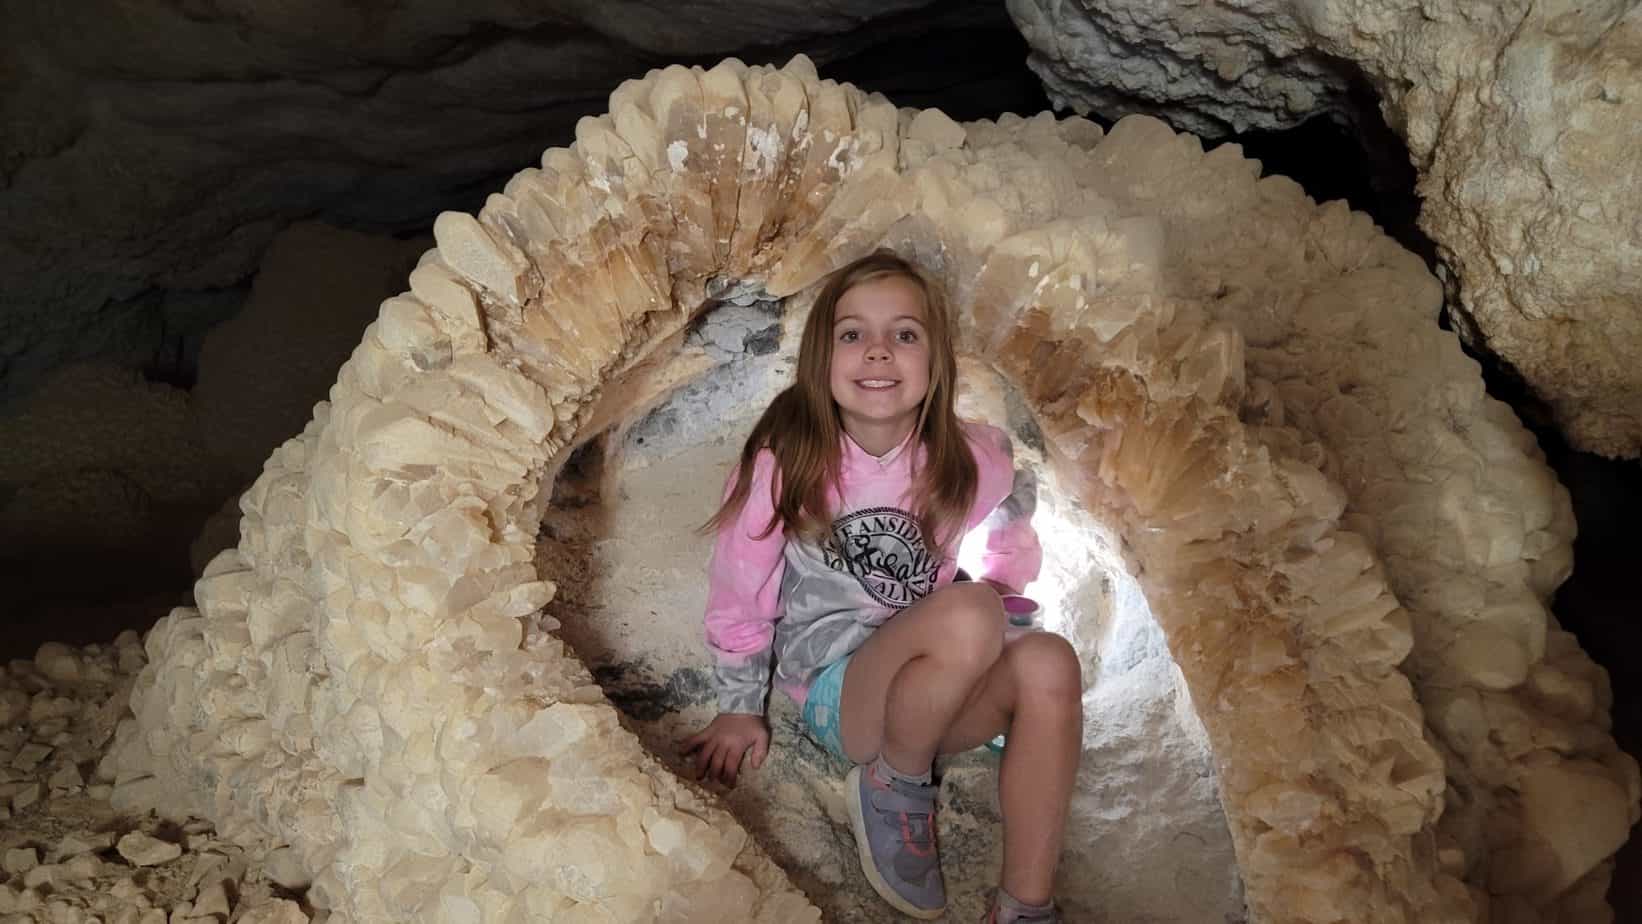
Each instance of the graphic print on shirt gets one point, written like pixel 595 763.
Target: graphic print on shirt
pixel 883 548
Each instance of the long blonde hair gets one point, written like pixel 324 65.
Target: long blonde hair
pixel 802 428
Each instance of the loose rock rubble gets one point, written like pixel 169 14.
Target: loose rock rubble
pixel 67 856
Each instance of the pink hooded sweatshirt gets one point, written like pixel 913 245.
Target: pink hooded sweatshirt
pixel 804 605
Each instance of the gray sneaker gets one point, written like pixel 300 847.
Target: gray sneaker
pixel 895 832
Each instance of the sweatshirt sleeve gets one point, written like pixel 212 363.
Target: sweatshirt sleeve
pixel 1011 554
pixel 743 596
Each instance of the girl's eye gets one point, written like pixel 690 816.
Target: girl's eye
pixel 907 336
pixel 849 336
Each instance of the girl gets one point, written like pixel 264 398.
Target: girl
pixel 835 560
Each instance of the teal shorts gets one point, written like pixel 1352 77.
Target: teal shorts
pixel 821 719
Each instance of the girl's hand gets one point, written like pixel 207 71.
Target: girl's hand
pixel 725 742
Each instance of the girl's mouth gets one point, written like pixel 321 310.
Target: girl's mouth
pixel 877 384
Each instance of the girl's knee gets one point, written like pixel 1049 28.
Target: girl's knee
pixel 970 623
pixel 1046 668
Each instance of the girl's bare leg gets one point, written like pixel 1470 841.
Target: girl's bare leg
pixel 938 679
pixel 904 686
pixel 1035 694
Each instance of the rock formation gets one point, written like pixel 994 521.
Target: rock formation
pixel 1307 480
pixel 1523 119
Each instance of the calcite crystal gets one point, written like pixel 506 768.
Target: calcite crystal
pixel 1524 120
pixel 1247 388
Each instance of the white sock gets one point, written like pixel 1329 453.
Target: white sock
pixel 886 773
pixel 1011 908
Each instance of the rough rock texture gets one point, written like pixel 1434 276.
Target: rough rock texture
pixel 358 681
pixel 1148 840
pixel 149 155
pixel 1524 120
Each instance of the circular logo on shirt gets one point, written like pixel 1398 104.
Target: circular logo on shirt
pixel 884 549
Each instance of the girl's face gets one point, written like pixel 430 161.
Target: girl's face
pixel 880 360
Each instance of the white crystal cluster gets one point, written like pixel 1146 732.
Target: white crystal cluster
pixel 357 682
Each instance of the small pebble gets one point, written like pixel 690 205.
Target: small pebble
pixel 213 900
pixel 50 874
pixel 81 867
pixel 74 844
pixel 20 860
pixel 14 706
pixel 58 662
pixel 29 756
pixel 27 676
pixel 141 850
pixel 67 777
pixel 46 706
pixel 20 901
pixel 283 866
pixel 26 796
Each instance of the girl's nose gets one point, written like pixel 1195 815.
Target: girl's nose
pixel 877 350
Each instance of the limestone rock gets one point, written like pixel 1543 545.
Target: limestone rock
pixel 72 845
pixel 58 663
pixel 20 860
pixel 1523 119
pixel 142 850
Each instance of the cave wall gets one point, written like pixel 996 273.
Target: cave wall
pixel 151 153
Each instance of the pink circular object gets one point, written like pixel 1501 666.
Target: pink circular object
pixel 1021 610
